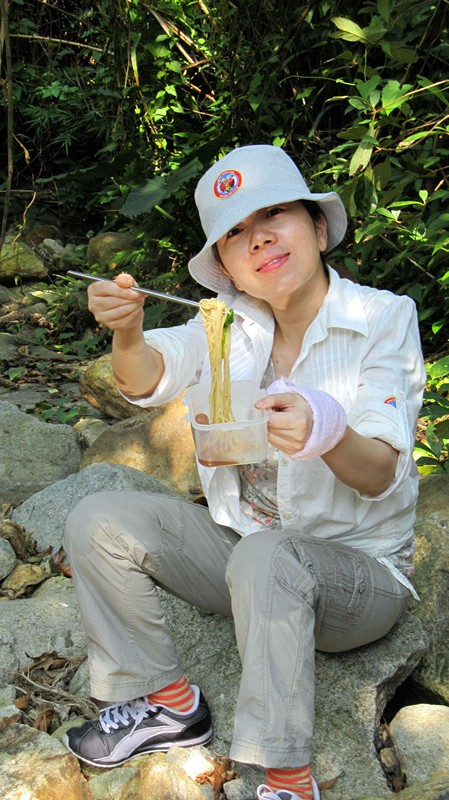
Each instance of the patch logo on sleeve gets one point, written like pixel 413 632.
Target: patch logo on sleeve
pixel 390 401
pixel 227 183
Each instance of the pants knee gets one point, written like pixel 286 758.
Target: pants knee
pixel 266 559
pixel 247 556
pixel 85 518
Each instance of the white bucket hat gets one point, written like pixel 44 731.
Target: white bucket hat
pixel 245 180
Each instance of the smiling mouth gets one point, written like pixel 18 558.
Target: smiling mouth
pixel 273 264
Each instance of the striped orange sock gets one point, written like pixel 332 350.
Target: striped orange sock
pixel 298 781
pixel 177 696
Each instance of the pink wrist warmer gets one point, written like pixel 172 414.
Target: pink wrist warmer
pixel 329 418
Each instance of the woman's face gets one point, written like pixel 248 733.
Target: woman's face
pixel 275 253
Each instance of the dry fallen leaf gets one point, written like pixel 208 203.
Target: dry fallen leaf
pixel 21 542
pixel 11 720
pixel 222 772
pixel 330 783
pixel 389 759
pixel 22 702
pixel 43 720
pixel 47 662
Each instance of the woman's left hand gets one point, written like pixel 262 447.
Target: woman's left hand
pixel 290 423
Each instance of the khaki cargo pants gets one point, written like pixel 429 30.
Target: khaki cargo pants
pixel 288 594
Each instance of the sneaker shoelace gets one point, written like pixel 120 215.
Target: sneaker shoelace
pixel 113 717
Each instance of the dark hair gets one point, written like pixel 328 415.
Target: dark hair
pixel 313 209
pixel 315 213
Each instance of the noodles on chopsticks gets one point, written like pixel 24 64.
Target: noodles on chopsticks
pixel 217 320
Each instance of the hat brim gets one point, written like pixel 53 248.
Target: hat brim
pixel 204 268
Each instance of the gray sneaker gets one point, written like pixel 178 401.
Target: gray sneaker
pixel 130 729
pixel 265 793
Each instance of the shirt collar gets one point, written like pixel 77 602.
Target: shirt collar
pixel 342 306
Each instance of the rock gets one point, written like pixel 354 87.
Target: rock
pixel 35 765
pixel 47 622
pixel 88 429
pixel 54 247
pixel 193 760
pixel 98 388
pixel 7 695
pixel 5 295
pixel 9 345
pixel 17 260
pixel 24 576
pixel 352 690
pixel 421 734
pixel 28 397
pixel 36 234
pixel 159 780
pixel 432 583
pixel 109 248
pixel 9 713
pixel 44 514
pixel 436 788
pixel 7 558
pixel 108 783
pixel 33 454
pixel 158 443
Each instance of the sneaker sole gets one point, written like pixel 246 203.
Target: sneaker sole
pixel 163 747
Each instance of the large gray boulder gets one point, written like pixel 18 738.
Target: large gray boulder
pixel 46 622
pixel 43 515
pixel 33 454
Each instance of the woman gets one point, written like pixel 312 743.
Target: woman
pixel 310 549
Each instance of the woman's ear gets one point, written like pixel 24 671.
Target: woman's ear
pixel 321 232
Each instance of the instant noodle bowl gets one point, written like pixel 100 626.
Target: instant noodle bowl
pixel 242 441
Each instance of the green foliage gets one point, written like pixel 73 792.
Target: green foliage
pixel 119 105
pixel 432 454
pixel 58 411
pixel 72 329
pixel 13 373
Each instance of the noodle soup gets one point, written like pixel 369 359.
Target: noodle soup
pixel 242 441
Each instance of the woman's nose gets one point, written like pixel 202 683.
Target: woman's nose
pixel 260 237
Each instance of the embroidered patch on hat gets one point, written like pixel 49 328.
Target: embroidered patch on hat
pixel 390 401
pixel 227 183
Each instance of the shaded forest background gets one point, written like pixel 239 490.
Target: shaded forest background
pixel 113 108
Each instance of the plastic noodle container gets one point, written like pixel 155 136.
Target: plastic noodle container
pixel 243 441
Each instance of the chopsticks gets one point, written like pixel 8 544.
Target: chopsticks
pixel 150 292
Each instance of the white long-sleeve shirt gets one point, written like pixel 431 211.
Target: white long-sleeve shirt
pixel 363 348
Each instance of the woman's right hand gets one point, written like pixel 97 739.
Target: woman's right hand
pixel 114 304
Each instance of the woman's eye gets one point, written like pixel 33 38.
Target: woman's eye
pixel 272 212
pixel 233 232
